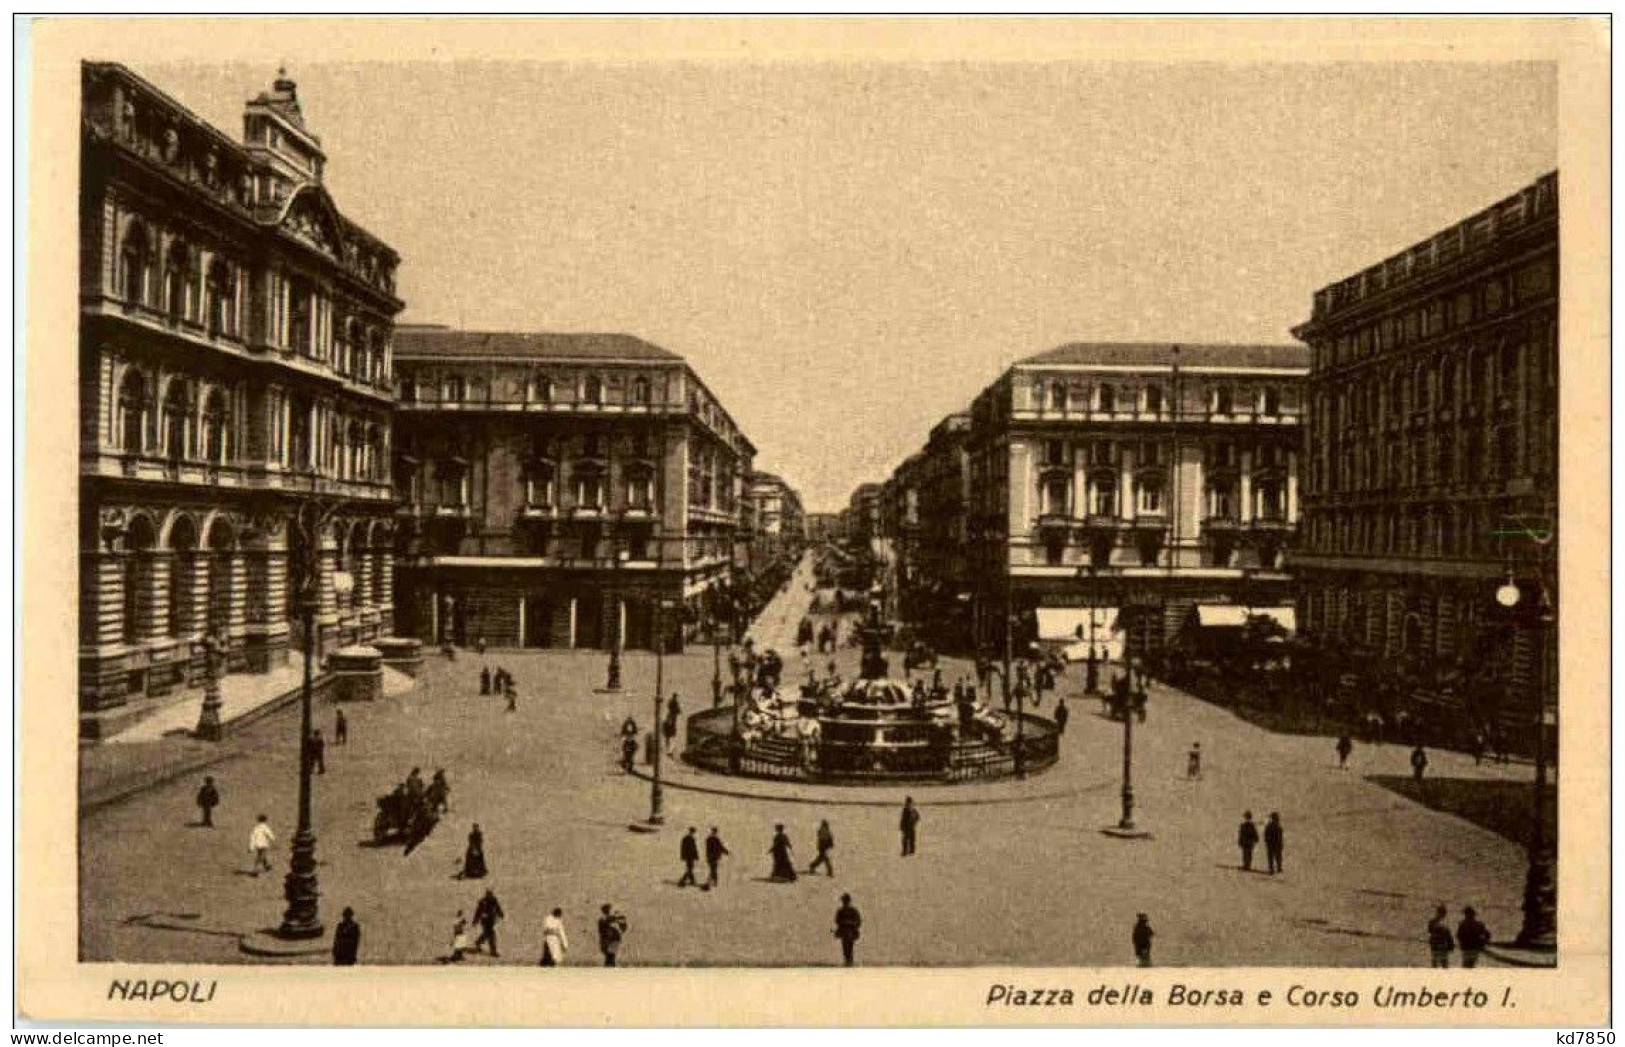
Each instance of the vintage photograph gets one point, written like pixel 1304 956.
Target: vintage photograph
pixel 864 512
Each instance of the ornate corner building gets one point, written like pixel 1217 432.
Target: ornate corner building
pixel 557 489
pixel 235 360
pixel 1098 478
pixel 1432 450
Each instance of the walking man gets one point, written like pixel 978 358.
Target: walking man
pixel 318 750
pixel 848 924
pixel 208 798
pixel 1247 838
pixel 341 728
pixel 1345 746
pixel 513 697
pixel 826 843
pixel 1060 715
pixel 611 930
pixel 1419 763
pixel 1193 762
pixel 1141 937
pixel 910 821
pixel 346 940
pixel 629 751
pixel 485 679
pixel 715 849
pixel 486 913
pixel 1440 942
pixel 260 839
pixel 689 852
pixel 1472 936
pixel 1274 843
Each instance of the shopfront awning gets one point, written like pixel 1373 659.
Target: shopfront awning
pixel 1234 616
pixel 1072 623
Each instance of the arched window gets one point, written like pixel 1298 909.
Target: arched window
pixel 178 282
pixel 640 391
pixel 183 595
pixel 592 389
pixel 222 317
pixel 216 423
pixel 139 542
pixel 136 261
pixel 177 406
pixel 132 412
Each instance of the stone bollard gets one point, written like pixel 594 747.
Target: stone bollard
pixel 401 652
pixel 358 674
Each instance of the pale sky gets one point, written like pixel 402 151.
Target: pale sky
pixel 848 252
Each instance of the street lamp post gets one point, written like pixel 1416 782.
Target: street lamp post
pixel 716 659
pixel 1125 827
pixel 1539 930
pixel 613 683
pixel 657 816
pixel 208 724
pixel 1018 756
pixel 302 918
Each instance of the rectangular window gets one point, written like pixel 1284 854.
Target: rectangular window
pixel 1153 399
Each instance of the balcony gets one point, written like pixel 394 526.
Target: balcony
pixel 1149 521
pixel 638 513
pixel 1272 522
pixel 1225 523
pixel 539 511
pixel 1102 522
pixel 587 512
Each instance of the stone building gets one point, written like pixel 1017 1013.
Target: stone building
pixel 555 488
pixel 779 526
pixel 1432 444
pixel 235 362
pixel 1105 477
pixel 929 494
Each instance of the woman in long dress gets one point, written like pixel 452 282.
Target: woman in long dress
pixel 784 868
pixel 554 941
pixel 474 856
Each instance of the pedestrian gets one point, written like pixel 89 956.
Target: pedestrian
pixel 439 792
pixel 208 798
pixel 1419 763
pixel 1061 715
pixel 555 942
pixel 784 869
pixel 669 729
pixel 1274 843
pixel 688 851
pixel 341 728
pixel 479 646
pixel 486 913
pixel 346 940
pixel 1141 937
pixel 611 931
pixel 317 752
pixel 1247 838
pixel 1193 761
pixel 826 843
pixel 715 850
pixel 485 679
pixel 474 867
pixel 629 751
pixel 1345 746
pixel 1440 942
pixel 513 698
pixel 1472 936
pixel 414 787
pixel 909 822
pixel 848 925
pixel 260 839
pixel 459 937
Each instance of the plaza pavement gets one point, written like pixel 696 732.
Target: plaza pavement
pixel 1007 873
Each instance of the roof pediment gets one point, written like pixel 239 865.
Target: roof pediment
pixel 310 215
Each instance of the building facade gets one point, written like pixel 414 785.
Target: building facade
pixel 235 362
pixel 560 490
pixel 929 494
pixel 1104 478
pixel 778 523
pixel 1432 445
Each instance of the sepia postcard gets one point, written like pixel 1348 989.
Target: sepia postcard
pixel 815 521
